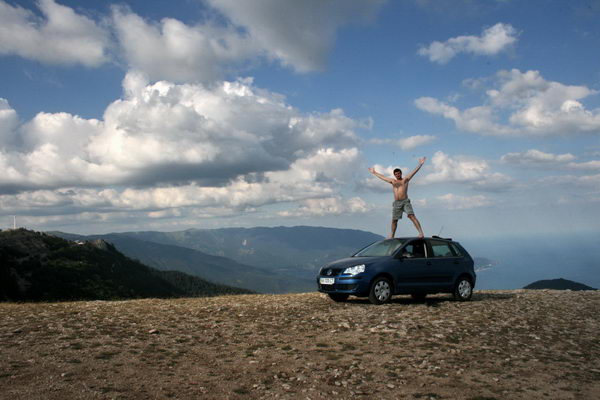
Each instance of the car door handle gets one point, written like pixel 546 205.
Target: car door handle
pixel 456 262
pixel 428 262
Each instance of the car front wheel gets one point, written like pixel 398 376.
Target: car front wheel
pixel 381 291
pixel 338 297
pixel 463 289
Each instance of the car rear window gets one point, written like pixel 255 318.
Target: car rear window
pixel 441 249
pixel 379 249
pixel 457 251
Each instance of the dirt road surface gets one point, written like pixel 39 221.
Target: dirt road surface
pixel 522 344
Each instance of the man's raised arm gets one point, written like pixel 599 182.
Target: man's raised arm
pixel 414 171
pixel 377 174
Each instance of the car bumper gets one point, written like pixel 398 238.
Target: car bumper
pixel 350 285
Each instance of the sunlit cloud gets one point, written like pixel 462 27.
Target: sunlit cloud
pixel 536 157
pixel 470 171
pixel 61 36
pixel 407 143
pixel 164 146
pixel 536 107
pixel 492 41
pixel 328 206
pixel 172 50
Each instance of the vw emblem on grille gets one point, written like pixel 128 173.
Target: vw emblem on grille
pixel 329 272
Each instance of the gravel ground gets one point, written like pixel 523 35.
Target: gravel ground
pixel 522 344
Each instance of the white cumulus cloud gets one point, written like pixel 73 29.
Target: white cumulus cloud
pixel 492 41
pixel 407 143
pixel 536 157
pixel 61 37
pixel 464 170
pixel 328 206
pixel 412 142
pixel 8 125
pixel 297 33
pixel 593 165
pixel 163 146
pixel 535 107
pixel 172 50
pixel 588 181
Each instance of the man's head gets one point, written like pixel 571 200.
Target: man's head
pixel 398 173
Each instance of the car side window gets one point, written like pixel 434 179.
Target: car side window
pixel 441 249
pixel 456 250
pixel 415 249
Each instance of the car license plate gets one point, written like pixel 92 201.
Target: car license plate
pixel 326 281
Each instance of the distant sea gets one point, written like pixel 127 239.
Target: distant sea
pixel 521 260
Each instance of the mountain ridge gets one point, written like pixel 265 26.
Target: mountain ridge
pixel 214 268
pixel 263 259
pixel 253 245
pixel 42 267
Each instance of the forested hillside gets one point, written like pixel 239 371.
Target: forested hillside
pixel 41 267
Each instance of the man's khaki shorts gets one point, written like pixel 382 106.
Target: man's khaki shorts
pixel 400 206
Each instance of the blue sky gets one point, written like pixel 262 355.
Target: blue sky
pixel 140 115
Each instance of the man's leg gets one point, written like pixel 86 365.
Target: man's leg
pixel 394 225
pixel 417 224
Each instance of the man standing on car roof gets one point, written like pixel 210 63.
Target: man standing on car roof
pixel 401 200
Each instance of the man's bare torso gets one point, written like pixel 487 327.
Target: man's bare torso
pixel 400 187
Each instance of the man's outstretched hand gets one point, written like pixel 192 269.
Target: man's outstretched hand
pixel 372 170
pixel 422 160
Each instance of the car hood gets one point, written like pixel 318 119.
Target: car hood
pixel 352 261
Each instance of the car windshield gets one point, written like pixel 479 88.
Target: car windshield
pixel 383 248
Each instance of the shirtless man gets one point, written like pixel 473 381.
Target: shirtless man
pixel 401 200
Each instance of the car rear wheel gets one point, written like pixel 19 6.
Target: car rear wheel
pixel 463 289
pixel 381 291
pixel 338 297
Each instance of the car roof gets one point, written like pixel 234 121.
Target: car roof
pixel 434 237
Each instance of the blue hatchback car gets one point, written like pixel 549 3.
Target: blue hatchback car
pixel 415 266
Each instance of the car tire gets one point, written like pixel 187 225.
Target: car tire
pixel 463 289
pixel 419 296
pixel 381 291
pixel 338 297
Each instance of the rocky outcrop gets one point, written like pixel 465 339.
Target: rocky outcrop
pixel 558 284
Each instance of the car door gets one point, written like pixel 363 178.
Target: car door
pixel 463 262
pixel 411 269
pixel 443 264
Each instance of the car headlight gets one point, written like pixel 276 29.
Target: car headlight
pixel 357 269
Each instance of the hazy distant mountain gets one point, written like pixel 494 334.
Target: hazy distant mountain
pixel 37 266
pixel 288 258
pixel 213 268
pixel 295 251
pixel 268 260
pixel 558 284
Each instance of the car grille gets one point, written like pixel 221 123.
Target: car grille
pixel 339 286
pixel 346 286
pixel 331 271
